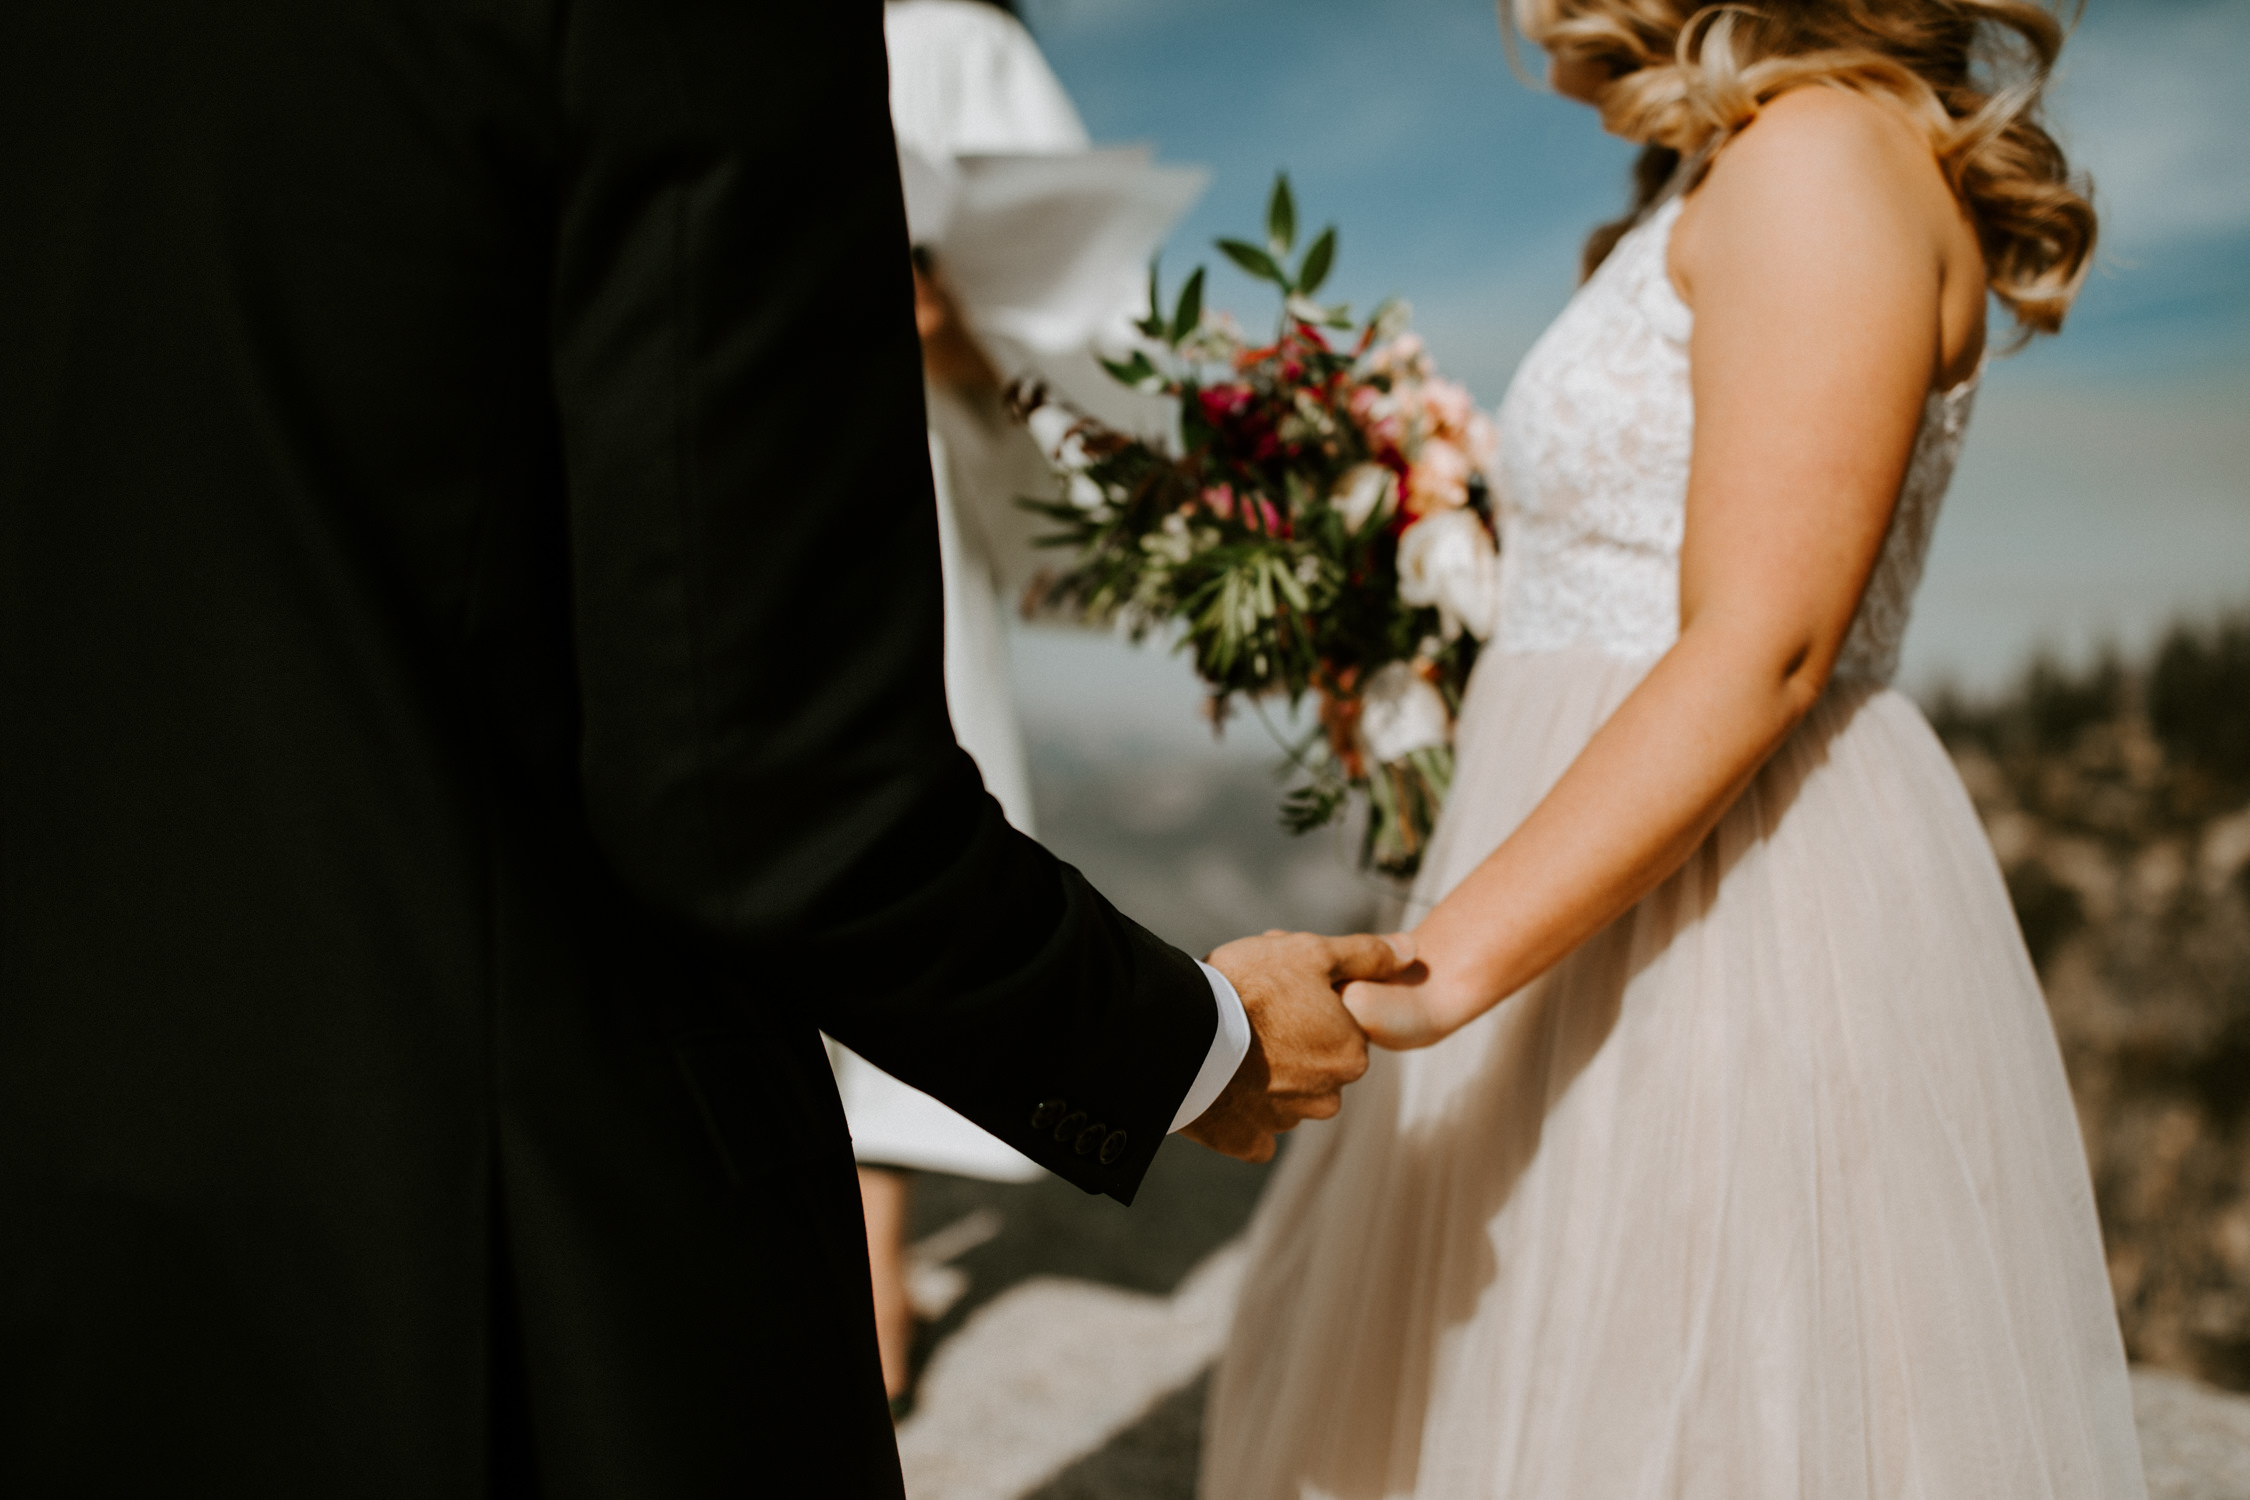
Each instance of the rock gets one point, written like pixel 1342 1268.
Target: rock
pixel 2195 1441
pixel 2117 816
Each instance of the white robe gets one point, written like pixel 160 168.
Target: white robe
pixel 967 78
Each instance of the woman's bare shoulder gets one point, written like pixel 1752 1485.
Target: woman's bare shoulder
pixel 1819 140
pixel 1818 167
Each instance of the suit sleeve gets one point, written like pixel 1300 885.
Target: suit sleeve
pixel 766 755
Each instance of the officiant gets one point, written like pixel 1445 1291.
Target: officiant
pixel 966 78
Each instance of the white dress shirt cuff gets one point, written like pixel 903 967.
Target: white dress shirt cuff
pixel 1228 1048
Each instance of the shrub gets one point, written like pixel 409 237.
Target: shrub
pixel 2199 701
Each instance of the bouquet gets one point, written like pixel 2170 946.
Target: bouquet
pixel 1318 527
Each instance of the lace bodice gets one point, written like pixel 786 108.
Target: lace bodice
pixel 1595 435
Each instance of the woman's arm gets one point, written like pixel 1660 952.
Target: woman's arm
pixel 1817 257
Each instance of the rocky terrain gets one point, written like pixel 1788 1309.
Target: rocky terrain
pixel 2118 800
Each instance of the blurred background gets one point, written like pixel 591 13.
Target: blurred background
pixel 2082 640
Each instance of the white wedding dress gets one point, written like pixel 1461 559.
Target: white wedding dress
pixel 1774 1188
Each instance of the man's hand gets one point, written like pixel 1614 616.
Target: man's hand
pixel 1304 1046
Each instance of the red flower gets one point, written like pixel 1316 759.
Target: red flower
pixel 1221 403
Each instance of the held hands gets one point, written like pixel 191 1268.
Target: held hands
pixel 1400 1015
pixel 1304 1045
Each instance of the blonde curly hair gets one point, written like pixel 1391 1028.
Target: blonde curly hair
pixel 1686 74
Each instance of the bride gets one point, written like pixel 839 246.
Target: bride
pixel 1736 1158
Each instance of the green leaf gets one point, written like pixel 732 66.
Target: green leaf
pixel 1292 588
pixel 1309 807
pixel 1189 314
pixel 1131 371
pixel 1317 262
pixel 1281 217
pixel 1255 261
pixel 1152 326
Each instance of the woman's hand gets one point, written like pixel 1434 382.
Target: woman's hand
pixel 1401 1014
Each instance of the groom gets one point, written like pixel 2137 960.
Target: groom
pixel 470 713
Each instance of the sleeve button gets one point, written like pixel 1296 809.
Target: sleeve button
pixel 1089 1138
pixel 1071 1124
pixel 1049 1111
pixel 1113 1146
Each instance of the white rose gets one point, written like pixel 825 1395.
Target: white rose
pixel 1364 490
pixel 1447 559
pixel 1051 428
pixel 1400 714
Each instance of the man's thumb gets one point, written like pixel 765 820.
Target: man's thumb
pixel 1366 956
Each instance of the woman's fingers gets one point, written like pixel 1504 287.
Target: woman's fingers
pixel 1396 1017
pixel 1366 956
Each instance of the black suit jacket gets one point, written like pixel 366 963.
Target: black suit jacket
pixel 470 708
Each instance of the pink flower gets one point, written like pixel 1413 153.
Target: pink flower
pixel 1402 358
pixel 1250 509
pixel 1438 478
pixel 1448 405
pixel 1379 417
pixel 1482 441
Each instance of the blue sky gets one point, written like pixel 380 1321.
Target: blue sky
pixel 2107 483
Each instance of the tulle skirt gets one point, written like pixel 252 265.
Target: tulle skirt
pixel 1773 1189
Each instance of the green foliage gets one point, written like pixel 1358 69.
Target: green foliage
pixel 1256 261
pixel 1152 326
pixel 2107 747
pixel 1188 316
pixel 1314 805
pixel 1236 539
pixel 2050 707
pixel 1136 372
pixel 2196 693
pixel 1281 218
pixel 1318 260
pixel 2199 699
pixel 2057 705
